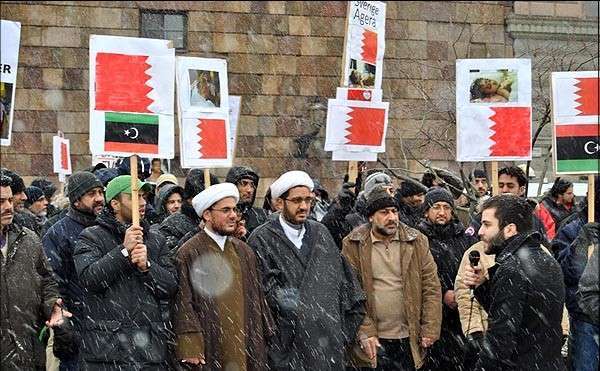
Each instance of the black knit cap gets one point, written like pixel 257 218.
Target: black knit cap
pixel 379 198
pixel 80 183
pixel 411 188
pixel 17 184
pixel 436 195
pixel 33 194
pixel 45 185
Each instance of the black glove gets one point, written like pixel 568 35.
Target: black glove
pixel 66 345
pixel 346 196
pixel 474 342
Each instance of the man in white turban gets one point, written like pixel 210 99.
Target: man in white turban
pixel 313 294
pixel 221 317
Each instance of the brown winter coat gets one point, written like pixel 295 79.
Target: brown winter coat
pixel 421 287
pixel 197 323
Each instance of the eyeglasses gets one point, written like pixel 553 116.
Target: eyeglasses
pixel 441 207
pixel 300 200
pixel 246 182
pixel 227 210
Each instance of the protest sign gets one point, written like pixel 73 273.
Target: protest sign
pixel 131 96
pixel 202 84
pixel 61 151
pixel 575 116
pixel 493 109
pixel 364 45
pixel 366 95
pixel 235 105
pixel 205 141
pixel 10 36
pixel 356 126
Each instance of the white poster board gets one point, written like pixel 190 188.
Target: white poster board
pixel 364 44
pixel 356 126
pixel 576 122
pixel 235 105
pixel 493 109
pixel 10 36
pixel 61 155
pixel 132 89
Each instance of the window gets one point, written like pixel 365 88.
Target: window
pixel 165 24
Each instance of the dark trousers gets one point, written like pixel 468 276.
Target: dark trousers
pixel 394 355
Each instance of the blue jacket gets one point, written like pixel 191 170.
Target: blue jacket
pixel 573 260
pixel 568 233
pixel 59 244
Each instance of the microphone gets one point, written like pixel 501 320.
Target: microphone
pixel 474 257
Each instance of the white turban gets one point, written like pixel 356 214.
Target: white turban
pixel 290 180
pixel 214 194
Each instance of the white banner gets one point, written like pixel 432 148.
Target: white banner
pixel 10 36
pixel 364 44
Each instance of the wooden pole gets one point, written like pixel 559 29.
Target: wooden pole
pixel 495 190
pixel 206 178
pixel 135 202
pixel 591 198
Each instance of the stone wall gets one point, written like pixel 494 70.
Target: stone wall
pixel 283 57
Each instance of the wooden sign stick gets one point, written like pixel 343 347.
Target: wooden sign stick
pixel 591 198
pixel 206 178
pixel 495 189
pixel 135 202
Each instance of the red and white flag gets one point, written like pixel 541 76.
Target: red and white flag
pixel 576 96
pixel 488 133
pixel 60 155
pixel 363 44
pixel 205 141
pixel 355 125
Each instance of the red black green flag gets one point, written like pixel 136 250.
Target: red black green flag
pixel 133 133
pixel 577 148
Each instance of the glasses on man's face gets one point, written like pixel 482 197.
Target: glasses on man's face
pixel 441 208
pixel 227 210
pixel 246 183
pixel 299 200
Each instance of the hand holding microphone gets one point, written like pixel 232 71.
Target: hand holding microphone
pixel 473 273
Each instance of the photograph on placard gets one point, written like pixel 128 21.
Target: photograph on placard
pixel 132 93
pixel 6 95
pixel 360 94
pixel 205 89
pixel 362 75
pixel 493 82
pixel 202 84
pixel 493 86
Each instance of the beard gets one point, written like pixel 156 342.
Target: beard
pixel 91 210
pixel 495 244
pixel 389 229
pixel 223 229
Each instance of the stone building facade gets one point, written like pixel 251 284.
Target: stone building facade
pixel 284 59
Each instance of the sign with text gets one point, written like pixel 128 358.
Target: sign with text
pixel 10 36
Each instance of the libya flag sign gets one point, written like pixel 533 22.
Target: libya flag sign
pixel 129 132
pixel 577 148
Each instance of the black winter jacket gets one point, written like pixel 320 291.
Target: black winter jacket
pixel 126 319
pixel 524 299
pixel 177 225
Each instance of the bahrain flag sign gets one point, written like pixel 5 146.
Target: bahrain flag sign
pixel 131 96
pixel 356 126
pixel 575 116
pixel 205 140
pixel 493 109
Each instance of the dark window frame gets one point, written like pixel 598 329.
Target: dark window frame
pixel 164 12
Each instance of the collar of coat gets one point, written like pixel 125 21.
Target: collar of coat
pixel 515 242
pixel 405 233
